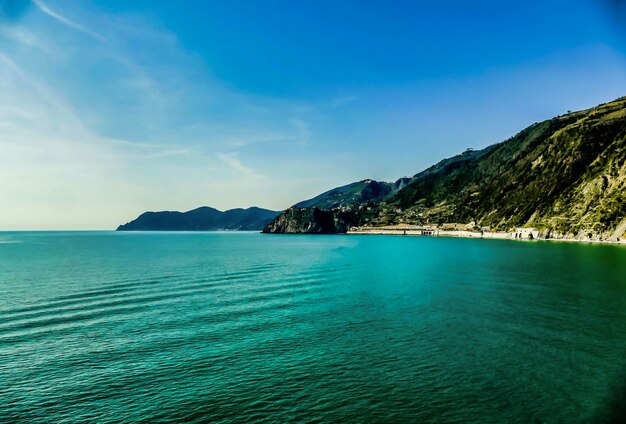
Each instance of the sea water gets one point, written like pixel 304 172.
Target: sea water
pixel 244 327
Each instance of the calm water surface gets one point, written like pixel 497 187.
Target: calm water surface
pixel 241 327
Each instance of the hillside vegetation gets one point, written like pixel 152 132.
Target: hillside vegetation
pixel 354 194
pixel 565 176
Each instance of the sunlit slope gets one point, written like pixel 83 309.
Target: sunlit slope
pixel 565 175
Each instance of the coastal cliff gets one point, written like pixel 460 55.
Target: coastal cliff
pixel 565 176
pixel 311 220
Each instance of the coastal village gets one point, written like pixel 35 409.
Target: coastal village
pixel 470 230
pixel 451 229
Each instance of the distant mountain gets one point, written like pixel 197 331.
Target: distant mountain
pixel 565 176
pixel 202 219
pixel 353 194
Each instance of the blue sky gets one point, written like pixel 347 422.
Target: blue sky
pixel 110 108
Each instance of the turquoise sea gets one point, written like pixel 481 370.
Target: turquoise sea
pixel 242 327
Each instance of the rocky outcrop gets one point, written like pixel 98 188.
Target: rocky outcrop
pixel 311 220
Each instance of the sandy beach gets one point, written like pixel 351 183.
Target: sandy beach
pixel 412 230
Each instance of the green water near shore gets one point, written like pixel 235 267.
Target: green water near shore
pixel 244 327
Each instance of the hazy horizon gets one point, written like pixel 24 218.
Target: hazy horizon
pixel 114 108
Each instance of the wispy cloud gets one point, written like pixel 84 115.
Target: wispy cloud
pixel 35 99
pixel 342 100
pixel 233 162
pixel 168 153
pixel 303 131
pixel 65 21
pixel 27 38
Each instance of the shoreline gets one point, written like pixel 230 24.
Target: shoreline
pixel 433 232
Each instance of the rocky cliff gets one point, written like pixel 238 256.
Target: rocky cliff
pixel 312 220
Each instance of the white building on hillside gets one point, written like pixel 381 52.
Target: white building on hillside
pixel 526 234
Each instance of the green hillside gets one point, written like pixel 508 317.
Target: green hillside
pixel 354 194
pixel 564 176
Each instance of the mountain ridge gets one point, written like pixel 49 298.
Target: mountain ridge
pixel 565 176
pixel 204 218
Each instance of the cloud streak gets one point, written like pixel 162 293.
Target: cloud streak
pixel 65 21
pixel 233 162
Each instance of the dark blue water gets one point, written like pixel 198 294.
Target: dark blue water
pixel 240 327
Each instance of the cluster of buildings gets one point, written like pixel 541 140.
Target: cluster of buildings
pixel 451 229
